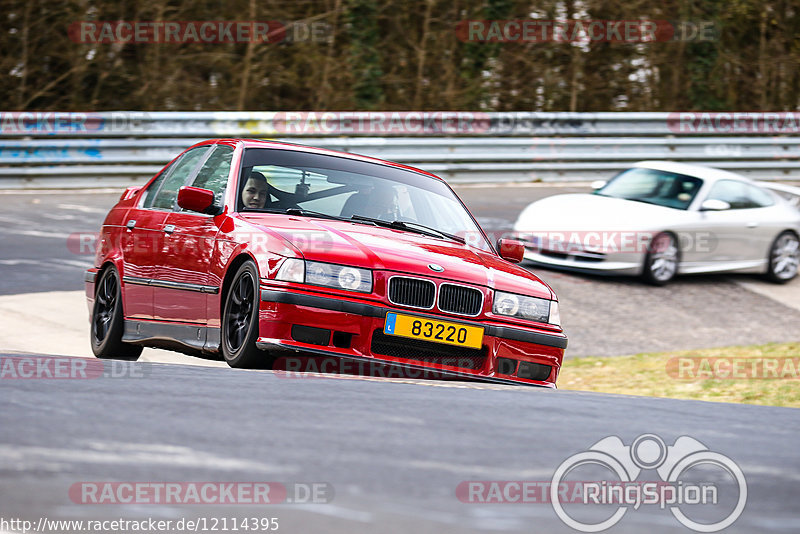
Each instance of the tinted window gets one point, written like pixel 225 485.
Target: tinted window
pixel 213 174
pixel 152 189
pixel 653 187
pixel 740 195
pixel 182 170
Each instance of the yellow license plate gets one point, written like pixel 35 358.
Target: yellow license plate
pixel 433 330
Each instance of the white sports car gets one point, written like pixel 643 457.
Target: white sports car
pixel 659 218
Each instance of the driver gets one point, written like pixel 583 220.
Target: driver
pixel 255 192
pixel 383 203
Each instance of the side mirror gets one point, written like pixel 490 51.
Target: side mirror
pixel 195 199
pixel 598 184
pixel 511 250
pixel 712 204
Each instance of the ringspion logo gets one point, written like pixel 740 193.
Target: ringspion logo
pixel 591 491
pixel 688 472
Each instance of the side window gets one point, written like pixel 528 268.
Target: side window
pixel 739 195
pixel 152 189
pixel 168 192
pixel 213 174
pixel 759 198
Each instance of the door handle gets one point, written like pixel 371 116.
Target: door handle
pixel 169 228
pixel 131 224
pixel 752 225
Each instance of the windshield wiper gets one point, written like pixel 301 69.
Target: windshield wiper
pixel 299 211
pixel 310 213
pixel 409 226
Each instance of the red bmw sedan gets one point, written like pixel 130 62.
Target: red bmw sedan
pixel 258 251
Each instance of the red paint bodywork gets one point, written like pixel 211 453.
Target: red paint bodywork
pixel 203 248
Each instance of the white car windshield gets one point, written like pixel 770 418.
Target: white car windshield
pixel 653 187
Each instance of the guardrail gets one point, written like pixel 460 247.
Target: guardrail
pixel 120 148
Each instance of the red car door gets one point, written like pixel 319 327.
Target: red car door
pixel 182 286
pixel 142 238
pixel 140 241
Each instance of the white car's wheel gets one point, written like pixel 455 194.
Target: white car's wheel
pixel 661 262
pixel 784 258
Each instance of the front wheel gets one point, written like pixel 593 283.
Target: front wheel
pixel 784 258
pixel 240 320
pixel 661 261
pixel 107 321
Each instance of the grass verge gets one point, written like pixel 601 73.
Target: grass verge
pixel 762 374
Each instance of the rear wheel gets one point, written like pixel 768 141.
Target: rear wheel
pixel 240 320
pixel 107 320
pixel 661 262
pixel 784 258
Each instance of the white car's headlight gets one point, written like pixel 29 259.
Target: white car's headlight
pixel 531 308
pixel 326 274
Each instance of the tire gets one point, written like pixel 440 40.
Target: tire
pixel 662 259
pixel 784 258
pixel 107 320
pixel 240 320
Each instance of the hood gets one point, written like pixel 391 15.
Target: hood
pixel 585 212
pixel 373 247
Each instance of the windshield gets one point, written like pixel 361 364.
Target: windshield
pixel 332 187
pixel 653 187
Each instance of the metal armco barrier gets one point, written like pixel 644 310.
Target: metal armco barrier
pixel 113 149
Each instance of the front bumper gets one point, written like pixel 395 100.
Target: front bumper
pixel 293 321
pixel 624 264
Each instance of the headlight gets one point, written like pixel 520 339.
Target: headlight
pixel 292 270
pixel 326 274
pixel 555 316
pixel 531 308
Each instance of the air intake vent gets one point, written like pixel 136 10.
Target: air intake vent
pixel 459 299
pixel 413 292
pixel 427 352
pixel 534 371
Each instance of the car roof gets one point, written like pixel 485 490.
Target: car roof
pixel 282 145
pixel 708 174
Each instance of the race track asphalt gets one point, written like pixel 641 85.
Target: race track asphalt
pixel 393 452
